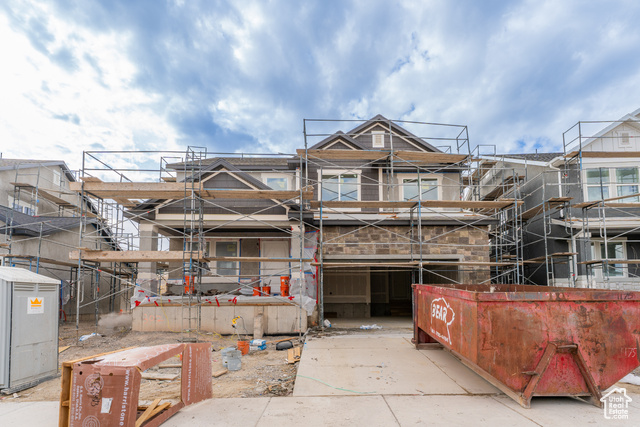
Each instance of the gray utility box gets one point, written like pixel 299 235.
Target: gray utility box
pixel 28 328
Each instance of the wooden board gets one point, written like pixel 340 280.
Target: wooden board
pixel 368 155
pixel 468 263
pixel 158 376
pixel 166 256
pixel 542 258
pixel 604 154
pixel 554 202
pixel 219 373
pixel 611 261
pixel 461 204
pixel 175 190
pixel 293 355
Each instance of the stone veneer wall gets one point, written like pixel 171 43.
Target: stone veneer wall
pixel 469 243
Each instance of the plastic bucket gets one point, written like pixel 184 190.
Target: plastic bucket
pixel 266 291
pixel 256 291
pixel 225 352
pixel 243 346
pixel 284 290
pixel 234 361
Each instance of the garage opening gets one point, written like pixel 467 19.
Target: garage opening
pixel 376 291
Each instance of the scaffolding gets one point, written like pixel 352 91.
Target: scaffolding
pixel 609 229
pixel 41 200
pixel 180 185
pixel 427 246
pixel 431 250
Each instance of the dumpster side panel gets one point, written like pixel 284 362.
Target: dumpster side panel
pixel 451 321
pixel 511 340
pixel 513 336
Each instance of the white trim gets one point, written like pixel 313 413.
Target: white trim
pixel 266 175
pixel 519 161
pixel 401 177
pixel 597 255
pixel 347 143
pixel 375 137
pixel 396 134
pixel 612 185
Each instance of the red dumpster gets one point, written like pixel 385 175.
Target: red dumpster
pixel 534 340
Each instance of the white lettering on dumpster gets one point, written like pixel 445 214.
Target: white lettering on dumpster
pixel 442 316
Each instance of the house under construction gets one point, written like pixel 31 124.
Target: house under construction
pixel 358 213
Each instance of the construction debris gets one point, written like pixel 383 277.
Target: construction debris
pixel 293 355
pixel 104 390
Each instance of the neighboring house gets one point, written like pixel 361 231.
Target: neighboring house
pixel 362 226
pixel 40 224
pixel 580 219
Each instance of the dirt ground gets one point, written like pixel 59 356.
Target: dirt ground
pixel 263 373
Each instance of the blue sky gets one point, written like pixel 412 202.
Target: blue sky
pixel 241 76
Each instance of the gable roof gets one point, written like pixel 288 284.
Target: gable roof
pixel 378 119
pixel 536 157
pixel 339 135
pixel 272 162
pixel 222 163
pixel 214 164
pixel 13 164
pixel 631 117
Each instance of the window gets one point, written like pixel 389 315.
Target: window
pixel 428 186
pixel 278 183
pixel 57 179
pixel 377 138
pixel 612 250
pixel 22 207
pixel 605 183
pixel 226 249
pixel 340 187
pixel 625 140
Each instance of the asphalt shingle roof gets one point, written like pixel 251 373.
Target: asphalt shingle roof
pixel 538 157
pixel 27 225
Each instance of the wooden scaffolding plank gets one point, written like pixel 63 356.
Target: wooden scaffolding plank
pixel 611 199
pixel 468 263
pixel 483 168
pixel 611 261
pixel 604 154
pixel 133 256
pixel 541 259
pixel 41 259
pixel 175 190
pixel 343 154
pixel 502 188
pixel 167 256
pixel 125 272
pixel 553 202
pixel 368 155
pixel 333 264
pixel 430 157
pixel 461 204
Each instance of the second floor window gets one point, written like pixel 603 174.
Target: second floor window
pixel 605 183
pixel 428 188
pixel 342 187
pixel 278 183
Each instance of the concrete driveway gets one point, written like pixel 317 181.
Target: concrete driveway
pixel 370 378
